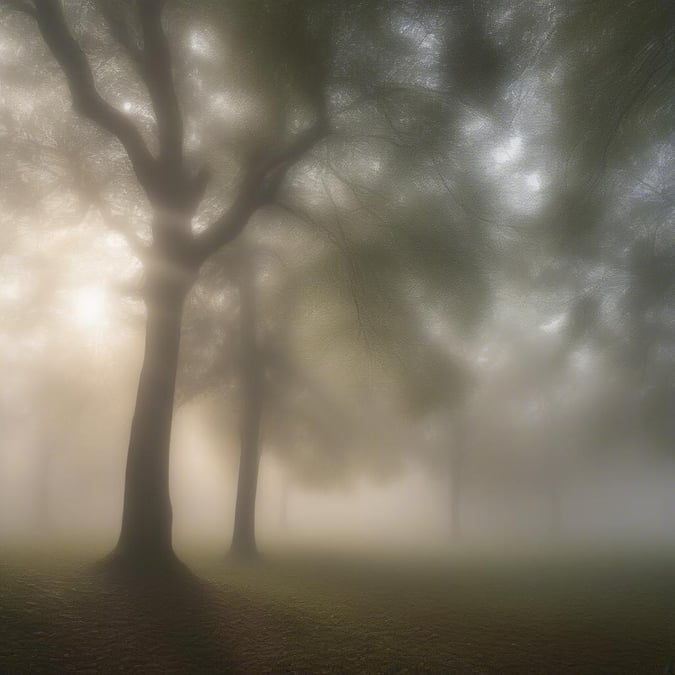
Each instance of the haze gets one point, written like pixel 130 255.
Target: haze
pixel 293 292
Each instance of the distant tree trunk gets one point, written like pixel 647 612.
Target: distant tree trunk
pixel 243 537
pixel 456 465
pixel 668 497
pixel 147 516
pixel 456 498
pixel 283 502
pixel 43 501
pixel 555 507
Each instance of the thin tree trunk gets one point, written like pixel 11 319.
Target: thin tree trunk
pixel 555 507
pixel 243 537
pixel 147 515
pixel 457 450
pixel 44 485
pixel 455 501
pixel 283 502
pixel 455 494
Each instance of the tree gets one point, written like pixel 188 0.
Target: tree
pixel 293 47
pixel 620 124
pixel 379 276
pixel 251 366
pixel 171 262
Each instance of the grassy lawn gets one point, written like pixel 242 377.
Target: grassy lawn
pixel 326 614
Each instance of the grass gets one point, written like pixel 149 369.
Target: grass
pixel 578 614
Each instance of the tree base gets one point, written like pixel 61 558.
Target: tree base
pixel 244 553
pixel 123 563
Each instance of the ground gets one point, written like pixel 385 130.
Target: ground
pixel 521 613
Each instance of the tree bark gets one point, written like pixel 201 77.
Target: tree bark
pixel 243 537
pixel 147 515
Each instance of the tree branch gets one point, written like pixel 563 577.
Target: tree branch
pixel 138 247
pixel 120 32
pixel 86 100
pixel 156 70
pixel 259 187
pixel 92 194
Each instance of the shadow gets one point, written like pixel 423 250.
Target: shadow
pixel 168 620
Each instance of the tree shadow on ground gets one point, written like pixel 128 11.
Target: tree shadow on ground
pixel 97 619
pixel 165 620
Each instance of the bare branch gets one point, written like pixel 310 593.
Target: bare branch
pixel 259 187
pixel 312 224
pixel 120 32
pixel 159 81
pixel 91 192
pixel 354 271
pixel 86 100
pixel 140 249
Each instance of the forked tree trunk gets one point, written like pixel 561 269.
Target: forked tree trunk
pixel 243 537
pixel 147 516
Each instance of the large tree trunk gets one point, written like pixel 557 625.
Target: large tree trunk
pixel 147 516
pixel 243 537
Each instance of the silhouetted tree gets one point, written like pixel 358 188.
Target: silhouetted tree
pixel 172 260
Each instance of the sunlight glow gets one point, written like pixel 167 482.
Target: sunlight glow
pixel 89 307
pixel 10 289
pixel 533 181
pixel 114 240
pixel 509 151
pixel 199 43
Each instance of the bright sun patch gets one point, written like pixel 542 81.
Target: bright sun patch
pixel 89 307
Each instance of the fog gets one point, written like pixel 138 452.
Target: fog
pixel 279 278
pixel 472 298
pixel 68 486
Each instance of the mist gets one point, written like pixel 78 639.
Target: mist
pixel 337 312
